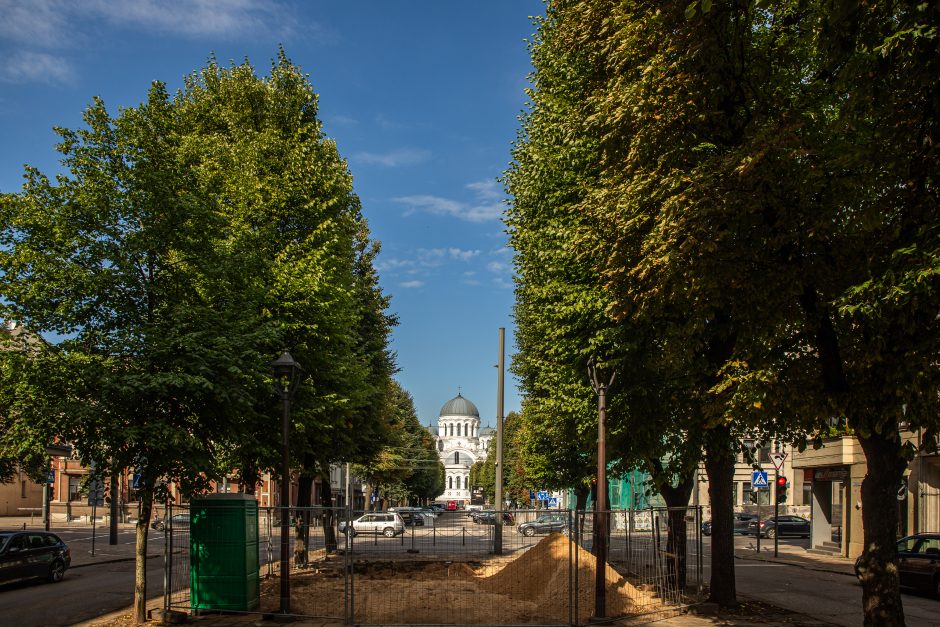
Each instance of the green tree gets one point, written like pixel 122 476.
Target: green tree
pixel 193 239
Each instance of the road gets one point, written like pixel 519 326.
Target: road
pixel 85 593
pixel 835 598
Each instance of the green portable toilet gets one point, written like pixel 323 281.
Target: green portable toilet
pixel 223 535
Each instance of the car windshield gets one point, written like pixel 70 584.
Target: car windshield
pixel 4 540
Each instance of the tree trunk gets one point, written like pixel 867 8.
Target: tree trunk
pixel 881 596
pixel 329 532
pixel 302 522
pixel 581 495
pixel 719 464
pixel 677 502
pixel 140 556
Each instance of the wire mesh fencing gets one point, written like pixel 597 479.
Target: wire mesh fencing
pixel 413 567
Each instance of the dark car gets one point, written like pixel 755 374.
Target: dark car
pixel 177 521
pixel 546 523
pixel 30 554
pixel 793 526
pixel 918 562
pixel 489 518
pixel 741 522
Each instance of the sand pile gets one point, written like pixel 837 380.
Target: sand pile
pixel 541 574
pixel 531 588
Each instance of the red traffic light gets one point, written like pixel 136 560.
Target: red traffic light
pixel 781 481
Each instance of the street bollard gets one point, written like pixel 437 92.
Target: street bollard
pixel 434 535
pixel 463 536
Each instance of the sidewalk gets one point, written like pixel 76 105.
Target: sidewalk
pixel 796 556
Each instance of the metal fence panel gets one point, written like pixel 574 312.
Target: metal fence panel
pixel 443 570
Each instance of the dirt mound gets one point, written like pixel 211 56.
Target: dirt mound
pixel 541 574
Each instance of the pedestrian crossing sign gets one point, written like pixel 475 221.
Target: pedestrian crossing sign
pixel 759 479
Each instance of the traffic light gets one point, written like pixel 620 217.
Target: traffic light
pixel 782 485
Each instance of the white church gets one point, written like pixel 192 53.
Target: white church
pixel 460 443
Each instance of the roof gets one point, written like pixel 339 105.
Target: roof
pixel 459 406
pixel 487 431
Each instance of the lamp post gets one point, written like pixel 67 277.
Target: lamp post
pixel 600 515
pixel 286 373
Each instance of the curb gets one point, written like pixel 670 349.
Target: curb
pixel 817 567
pixel 111 561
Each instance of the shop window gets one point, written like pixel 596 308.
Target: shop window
pixel 807 493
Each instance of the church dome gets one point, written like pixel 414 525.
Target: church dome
pixel 485 431
pixel 459 406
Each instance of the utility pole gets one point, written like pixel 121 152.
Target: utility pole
pixel 498 528
pixel 776 512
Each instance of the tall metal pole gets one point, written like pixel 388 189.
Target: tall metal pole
pixel 285 502
pixel 600 514
pixel 498 538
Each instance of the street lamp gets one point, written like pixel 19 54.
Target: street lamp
pixel 52 450
pixel 286 373
pixel 600 516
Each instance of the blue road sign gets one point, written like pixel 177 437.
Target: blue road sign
pixel 759 479
pixel 553 502
pixel 543 495
pixel 531 494
pixel 51 477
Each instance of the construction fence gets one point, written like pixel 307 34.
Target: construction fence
pixel 536 568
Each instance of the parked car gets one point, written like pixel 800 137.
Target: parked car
pixel 389 524
pixel 31 554
pixel 793 526
pixel 177 521
pixel 438 508
pixel 546 523
pixel 489 518
pixel 452 506
pixel 412 516
pixel 741 522
pixel 918 562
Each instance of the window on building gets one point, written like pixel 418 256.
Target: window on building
pixel 748 453
pixel 450 483
pixel 458 429
pixel 457 458
pixel 762 496
pixel 466 483
pixel 440 445
pixel 75 485
pixel 23 489
pixel 807 493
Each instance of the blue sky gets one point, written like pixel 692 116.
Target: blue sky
pixel 422 98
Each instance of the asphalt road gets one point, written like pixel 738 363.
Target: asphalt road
pixel 85 593
pixel 833 598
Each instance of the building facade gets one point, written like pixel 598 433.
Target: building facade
pixel 460 444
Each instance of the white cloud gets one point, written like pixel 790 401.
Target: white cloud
pixel 497 267
pixel 39 23
pixel 487 189
pixel 393 159
pixel 437 205
pixel 411 284
pixel 487 207
pixel 39 26
pixel 35 67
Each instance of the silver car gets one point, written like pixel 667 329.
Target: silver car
pixel 389 524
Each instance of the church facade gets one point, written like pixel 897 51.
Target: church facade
pixel 460 443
